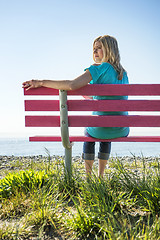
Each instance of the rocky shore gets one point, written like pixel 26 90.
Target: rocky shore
pixel 20 162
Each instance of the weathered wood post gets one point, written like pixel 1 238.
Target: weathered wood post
pixel 65 131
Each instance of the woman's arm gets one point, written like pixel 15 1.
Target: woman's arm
pixel 76 83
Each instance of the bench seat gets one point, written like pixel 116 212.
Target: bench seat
pixel 90 139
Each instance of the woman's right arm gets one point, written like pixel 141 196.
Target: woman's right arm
pixel 76 83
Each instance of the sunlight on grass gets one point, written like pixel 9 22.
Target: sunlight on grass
pixel 40 202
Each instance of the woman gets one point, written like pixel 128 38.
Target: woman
pixel 106 70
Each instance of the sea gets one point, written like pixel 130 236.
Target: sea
pixel 22 147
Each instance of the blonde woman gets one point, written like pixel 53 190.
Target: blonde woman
pixel 106 70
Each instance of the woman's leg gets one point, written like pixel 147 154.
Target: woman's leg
pixel 103 156
pixel 88 166
pixel 88 156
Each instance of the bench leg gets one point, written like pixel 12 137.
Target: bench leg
pixel 68 161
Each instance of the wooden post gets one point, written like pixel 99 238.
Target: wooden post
pixel 65 131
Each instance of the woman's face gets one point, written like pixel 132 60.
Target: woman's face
pixel 97 52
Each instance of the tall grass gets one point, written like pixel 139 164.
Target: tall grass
pixel 42 203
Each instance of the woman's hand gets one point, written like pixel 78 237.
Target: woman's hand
pixel 32 84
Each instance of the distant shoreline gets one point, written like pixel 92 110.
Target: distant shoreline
pixel 22 147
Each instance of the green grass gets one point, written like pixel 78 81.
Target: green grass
pixel 37 201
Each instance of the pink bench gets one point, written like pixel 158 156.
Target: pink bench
pixel 64 106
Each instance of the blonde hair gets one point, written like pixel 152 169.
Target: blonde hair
pixel 111 53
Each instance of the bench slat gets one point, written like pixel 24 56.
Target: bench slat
pixel 42 121
pixel 89 139
pixel 103 90
pixel 41 91
pixel 41 105
pixel 115 121
pixel 114 105
pixel 95 121
pixel 96 105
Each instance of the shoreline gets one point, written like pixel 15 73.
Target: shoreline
pixel 22 147
pixel 7 162
pixel 53 157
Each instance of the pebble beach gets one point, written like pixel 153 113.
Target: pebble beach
pixel 11 163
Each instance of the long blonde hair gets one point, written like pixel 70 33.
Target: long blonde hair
pixel 111 53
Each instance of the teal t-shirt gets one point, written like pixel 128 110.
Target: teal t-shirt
pixel 106 74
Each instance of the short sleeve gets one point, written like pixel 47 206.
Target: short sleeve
pixel 95 73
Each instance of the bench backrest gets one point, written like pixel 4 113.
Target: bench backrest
pixel 97 105
pixel 65 105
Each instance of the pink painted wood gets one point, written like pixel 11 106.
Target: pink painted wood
pixel 103 90
pixel 42 121
pixel 89 139
pixel 87 105
pixel 114 105
pixel 41 105
pixel 95 121
pixel 41 91
pixel 96 105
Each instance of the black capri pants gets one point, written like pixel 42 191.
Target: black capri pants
pixel 89 150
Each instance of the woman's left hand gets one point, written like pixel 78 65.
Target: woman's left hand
pixel 32 84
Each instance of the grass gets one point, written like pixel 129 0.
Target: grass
pixel 37 201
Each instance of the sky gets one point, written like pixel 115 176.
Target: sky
pixel 48 39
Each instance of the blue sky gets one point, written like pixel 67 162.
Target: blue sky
pixel 48 39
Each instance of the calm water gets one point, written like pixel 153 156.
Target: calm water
pixel 22 147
